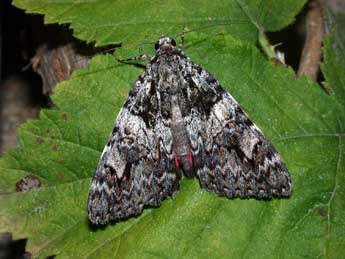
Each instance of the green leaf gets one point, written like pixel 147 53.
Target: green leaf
pixel 334 56
pixel 333 70
pixel 109 21
pixel 62 148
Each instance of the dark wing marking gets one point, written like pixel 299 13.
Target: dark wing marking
pixel 137 166
pixel 231 156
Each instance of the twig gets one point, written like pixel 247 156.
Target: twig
pixel 55 65
pixel 311 55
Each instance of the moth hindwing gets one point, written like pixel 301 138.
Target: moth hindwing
pixel 177 116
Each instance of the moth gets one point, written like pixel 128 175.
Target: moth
pixel 178 116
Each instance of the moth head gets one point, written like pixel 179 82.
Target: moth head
pixel 165 41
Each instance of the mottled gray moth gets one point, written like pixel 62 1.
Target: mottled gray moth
pixel 177 116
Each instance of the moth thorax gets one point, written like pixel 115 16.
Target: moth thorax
pixel 170 83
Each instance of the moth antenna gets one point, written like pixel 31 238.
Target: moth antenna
pixel 214 25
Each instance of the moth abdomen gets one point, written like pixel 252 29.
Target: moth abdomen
pixel 181 142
